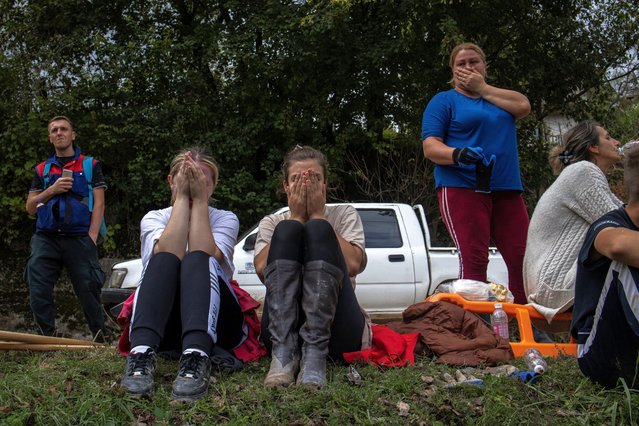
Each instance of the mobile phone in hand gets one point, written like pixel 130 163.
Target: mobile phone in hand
pixel 67 173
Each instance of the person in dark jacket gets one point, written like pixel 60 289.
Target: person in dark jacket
pixel 605 319
pixel 66 231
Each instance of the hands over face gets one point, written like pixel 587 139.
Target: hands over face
pixel 315 195
pixel 306 194
pixel 197 180
pixel 180 183
pixel 296 194
pixel 471 80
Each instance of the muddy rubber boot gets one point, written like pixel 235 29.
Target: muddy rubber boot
pixel 283 285
pixel 322 284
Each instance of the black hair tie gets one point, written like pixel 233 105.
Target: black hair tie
pixel 565 157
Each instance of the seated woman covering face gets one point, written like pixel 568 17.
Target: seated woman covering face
pixel 308 258
pixel 185 301
pixel 578 197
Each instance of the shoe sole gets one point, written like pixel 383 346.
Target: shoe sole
pixel 279 380
pixel 137 394
pixel 188 398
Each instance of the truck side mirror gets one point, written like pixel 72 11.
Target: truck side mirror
pixel 249 242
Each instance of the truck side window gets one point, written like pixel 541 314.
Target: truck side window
pixel 381 229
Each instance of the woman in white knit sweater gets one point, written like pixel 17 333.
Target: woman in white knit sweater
pixel 578 197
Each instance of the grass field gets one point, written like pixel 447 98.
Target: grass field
pixel 82 388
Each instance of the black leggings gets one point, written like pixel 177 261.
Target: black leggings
pixel 316 240
pixel 173 306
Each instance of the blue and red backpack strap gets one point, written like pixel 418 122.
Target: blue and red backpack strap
pixel 45 169
pixel 45 175
pixel 87 166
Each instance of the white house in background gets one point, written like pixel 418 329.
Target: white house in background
pixel 556 125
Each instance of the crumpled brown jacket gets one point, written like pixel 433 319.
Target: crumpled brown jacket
pixel 456 336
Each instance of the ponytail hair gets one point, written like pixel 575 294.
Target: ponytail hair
pixel 575 148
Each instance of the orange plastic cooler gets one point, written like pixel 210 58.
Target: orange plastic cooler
pixel 523 314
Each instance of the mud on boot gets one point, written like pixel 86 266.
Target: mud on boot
pixel 138 373
pixel 322 283
pixel 283 284
pixel 192 381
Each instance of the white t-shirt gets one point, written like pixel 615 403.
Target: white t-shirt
pixel 343 218
pixel 224 226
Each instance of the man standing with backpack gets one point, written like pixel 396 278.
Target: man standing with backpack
pixel 67 197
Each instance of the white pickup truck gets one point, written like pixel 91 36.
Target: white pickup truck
pixel 402 267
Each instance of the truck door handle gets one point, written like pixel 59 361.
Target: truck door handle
pixel 395 257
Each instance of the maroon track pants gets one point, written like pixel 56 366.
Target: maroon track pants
pixel 473 219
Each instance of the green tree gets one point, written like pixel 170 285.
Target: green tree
pixel 250 79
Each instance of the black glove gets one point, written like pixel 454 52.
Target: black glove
pixel 483 171
pixel 467 155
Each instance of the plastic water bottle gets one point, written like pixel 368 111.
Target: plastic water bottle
pixel 535 361
pixel 499 321
pixel 628 144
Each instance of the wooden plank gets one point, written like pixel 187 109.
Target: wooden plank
pixel 11 336
pixel 21 346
